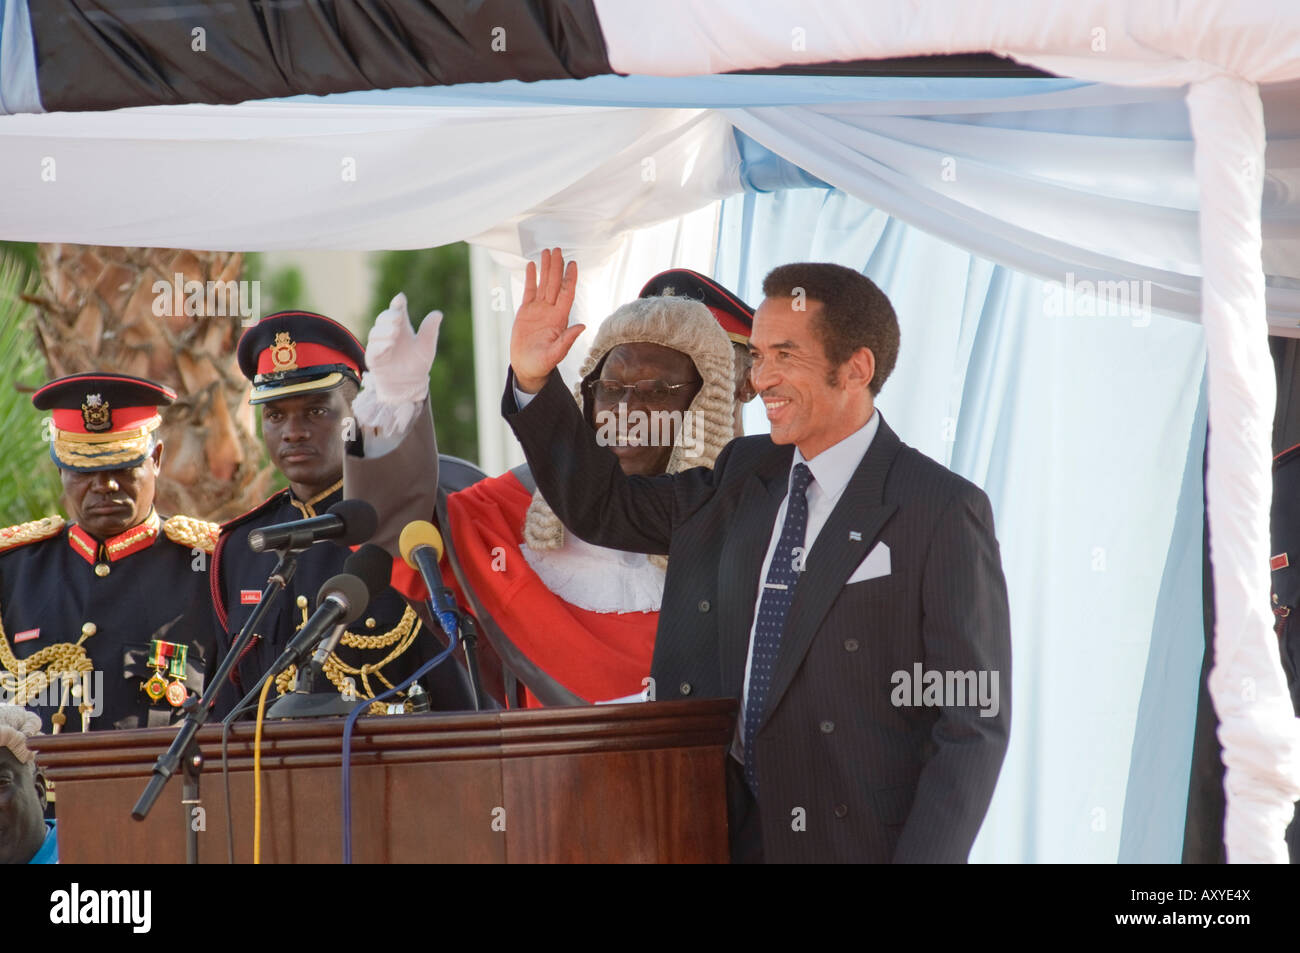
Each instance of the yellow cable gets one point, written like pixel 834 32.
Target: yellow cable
pixel 257 774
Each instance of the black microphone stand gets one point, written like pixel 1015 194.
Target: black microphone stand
pixel 296 653
pixel 185 746
pixel 303 701
pixel 469 638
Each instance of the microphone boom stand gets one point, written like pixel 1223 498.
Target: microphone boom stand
pixel 185 746
pixel 469 639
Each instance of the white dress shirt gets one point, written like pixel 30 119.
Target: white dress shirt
pixel 831 471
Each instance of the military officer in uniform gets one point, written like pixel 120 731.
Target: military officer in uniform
pixel 105 620
pixel 305 370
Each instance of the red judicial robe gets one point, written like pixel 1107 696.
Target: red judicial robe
pixel 596 655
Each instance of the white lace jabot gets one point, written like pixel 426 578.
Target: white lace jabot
pixel 599 579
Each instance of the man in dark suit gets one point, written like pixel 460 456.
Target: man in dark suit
pixel 846 589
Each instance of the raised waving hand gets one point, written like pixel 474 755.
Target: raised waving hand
pixel 541 335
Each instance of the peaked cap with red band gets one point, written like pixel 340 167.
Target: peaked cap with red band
pixel 298 352
pixel 736 317
pixel 102 421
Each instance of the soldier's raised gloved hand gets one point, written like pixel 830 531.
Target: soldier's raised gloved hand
pixel 399 359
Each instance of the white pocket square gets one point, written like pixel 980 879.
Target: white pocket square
pixel 874 565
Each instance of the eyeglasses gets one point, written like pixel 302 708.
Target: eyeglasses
pixel 651 392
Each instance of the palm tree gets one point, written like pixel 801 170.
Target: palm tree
pixel 98 310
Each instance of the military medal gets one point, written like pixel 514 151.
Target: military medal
pixel 177 693
pixel 159 654
pixel 155 687
pixel 167 659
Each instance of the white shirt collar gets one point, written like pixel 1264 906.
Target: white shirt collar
pixel 834 466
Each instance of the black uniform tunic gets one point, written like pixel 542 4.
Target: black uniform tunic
pixel 240 575
pixel 115 596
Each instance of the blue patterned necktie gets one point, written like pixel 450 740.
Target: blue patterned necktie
pixel 778 593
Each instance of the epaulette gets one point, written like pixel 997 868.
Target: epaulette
pixel 13 536
pixel 192 532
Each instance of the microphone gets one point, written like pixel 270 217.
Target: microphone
pixel 421 548
pixel 374 568
pixel 347 522
pixel 341 601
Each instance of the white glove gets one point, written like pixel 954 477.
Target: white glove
pixel 399 359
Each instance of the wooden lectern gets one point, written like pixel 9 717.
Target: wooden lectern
pixel 599 784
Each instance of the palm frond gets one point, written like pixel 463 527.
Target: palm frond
pixel 29 482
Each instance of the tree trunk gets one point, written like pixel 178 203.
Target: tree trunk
pixel 97 312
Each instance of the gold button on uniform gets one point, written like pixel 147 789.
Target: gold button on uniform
pixel 101 570
pixel 371 623
pixel 302 602
pixel 88 629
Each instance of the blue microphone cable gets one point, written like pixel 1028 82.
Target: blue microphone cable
pixel 352 720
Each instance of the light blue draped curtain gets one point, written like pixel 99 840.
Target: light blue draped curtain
pixel 1087 434
pixel 18 87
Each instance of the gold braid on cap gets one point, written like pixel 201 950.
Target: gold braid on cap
pixel 90 450
pixel 191 532
pixel 682 324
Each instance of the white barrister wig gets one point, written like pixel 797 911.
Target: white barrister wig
pixel 17 724
pixel 682 324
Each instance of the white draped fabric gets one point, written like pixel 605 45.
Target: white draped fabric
pixel 1157 42
pixel 274 175
pixel 1246 683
